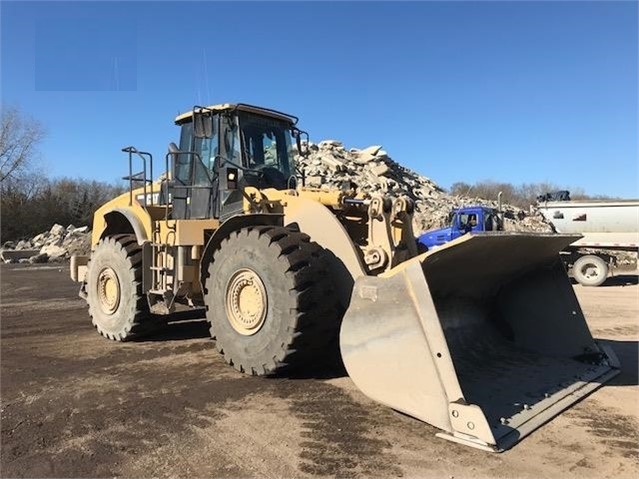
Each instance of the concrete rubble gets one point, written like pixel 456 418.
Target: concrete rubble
pixel 371 170
pixel 55 245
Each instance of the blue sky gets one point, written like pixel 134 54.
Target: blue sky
pixel 458 91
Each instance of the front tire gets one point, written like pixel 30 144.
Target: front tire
pixel 590 270
pixel 270 302
pixel 117 307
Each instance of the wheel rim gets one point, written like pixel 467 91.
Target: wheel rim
pixel 246 302
pixel 108 290
pixel 590 271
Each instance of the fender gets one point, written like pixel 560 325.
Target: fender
pixel 122 220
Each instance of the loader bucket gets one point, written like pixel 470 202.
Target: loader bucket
pixel 483 338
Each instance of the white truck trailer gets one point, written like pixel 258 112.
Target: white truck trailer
pixel 606 226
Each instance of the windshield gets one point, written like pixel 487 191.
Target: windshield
pixel 267 144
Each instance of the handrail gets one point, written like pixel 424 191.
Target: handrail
pixel 131 150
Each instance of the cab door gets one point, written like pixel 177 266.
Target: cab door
pixel 195 180
pixel 230 200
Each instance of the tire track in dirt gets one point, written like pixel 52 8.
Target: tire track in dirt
pixel 339 438
pixel 615 430
pixel 93 420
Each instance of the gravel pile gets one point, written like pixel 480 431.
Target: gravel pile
pixel 55 245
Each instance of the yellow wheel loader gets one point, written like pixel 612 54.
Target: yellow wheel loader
pixel 482 338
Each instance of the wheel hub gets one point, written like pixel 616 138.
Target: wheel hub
pixel 108 290
pixel 246 302
pixel 590 271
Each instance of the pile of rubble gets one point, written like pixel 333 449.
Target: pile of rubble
pixel 372 171
pixel 55 245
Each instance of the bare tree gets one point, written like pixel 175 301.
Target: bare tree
pixel 19 138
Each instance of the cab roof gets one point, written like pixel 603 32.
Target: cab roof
pixel 278 115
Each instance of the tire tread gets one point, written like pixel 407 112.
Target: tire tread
pixel 313 324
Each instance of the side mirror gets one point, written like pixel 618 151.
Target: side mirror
pixel 298 139
pixel 204 125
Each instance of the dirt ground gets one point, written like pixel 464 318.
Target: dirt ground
pixel 77 405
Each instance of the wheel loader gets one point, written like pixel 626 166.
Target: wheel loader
pixel 482 338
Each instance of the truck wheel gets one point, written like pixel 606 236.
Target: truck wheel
pixel 117 307
pixel 590 270
pixel 270 301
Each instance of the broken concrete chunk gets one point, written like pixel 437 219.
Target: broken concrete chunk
pixel 371 150
pixel 367 154
pixel 380 170
pixel 38 240
pixel 54 240
pixel 57 230
pixel 22 244
pixel 53 251
pixel 332 162
pixel 330 143
pixel 314 181
pixel 81 229
pixel 364 158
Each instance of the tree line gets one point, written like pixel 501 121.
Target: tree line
pixel 32 205
pixel 521 196
pixel 30 202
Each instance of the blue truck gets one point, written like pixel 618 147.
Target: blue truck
pixel 470 219
pixel 611 226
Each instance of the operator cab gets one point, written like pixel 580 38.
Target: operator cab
pixel 223 149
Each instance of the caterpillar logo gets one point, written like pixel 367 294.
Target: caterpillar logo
pixel 149 199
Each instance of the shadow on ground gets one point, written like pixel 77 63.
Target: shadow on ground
pixel 628 354
pixel 624 279
pixel 181 331
pixel 327 364
pixel 620 279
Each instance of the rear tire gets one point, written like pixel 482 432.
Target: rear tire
pixel 270 302
pixel 117 307
pixel 590 270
